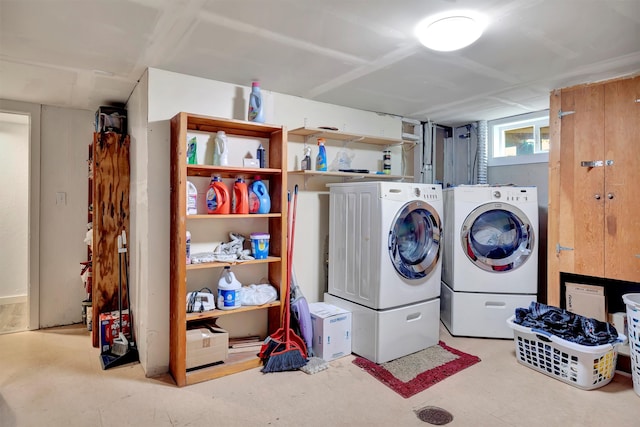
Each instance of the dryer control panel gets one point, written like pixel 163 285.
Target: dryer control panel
pixel 513 195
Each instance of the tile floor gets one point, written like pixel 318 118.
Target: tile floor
pixel 53 377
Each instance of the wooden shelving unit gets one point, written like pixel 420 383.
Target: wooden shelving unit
pixel 335 135
pixel 276 138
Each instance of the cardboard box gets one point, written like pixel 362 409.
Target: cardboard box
pixel 206 345
pixel 110 327
pixel 331 331
pixel 586 300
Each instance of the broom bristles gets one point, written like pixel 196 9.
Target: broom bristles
pixel 288 360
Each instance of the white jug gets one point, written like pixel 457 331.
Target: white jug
pixel 221 151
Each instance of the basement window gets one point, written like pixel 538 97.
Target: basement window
pixel 519 139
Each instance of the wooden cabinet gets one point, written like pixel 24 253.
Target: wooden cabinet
pixel 334 136
pixel 109 212
pixel 594 174
pixel 274 139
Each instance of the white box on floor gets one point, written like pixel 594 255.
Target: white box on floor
pixel 586 300
pixel 331 331
pixel 384 335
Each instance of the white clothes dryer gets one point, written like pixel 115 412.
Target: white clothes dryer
pixel 384 242
pixel 490 259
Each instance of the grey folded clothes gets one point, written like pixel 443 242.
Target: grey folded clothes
pixel 225 252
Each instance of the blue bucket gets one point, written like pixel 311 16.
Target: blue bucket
pixel 260 245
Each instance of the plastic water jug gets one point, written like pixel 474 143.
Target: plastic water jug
pixel 218 199
pixel 192 199
pixel 259 200
pixel 228 290
pixel 240 198
pixel 221 150
pixel 256 114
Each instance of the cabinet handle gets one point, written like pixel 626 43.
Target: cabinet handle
pixel 597 197
pixel 592 164
pixel 610 196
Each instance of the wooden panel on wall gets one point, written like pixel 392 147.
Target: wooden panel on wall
pixel 553 270
pixel 622 221
pixel 587 220
pixel 110 217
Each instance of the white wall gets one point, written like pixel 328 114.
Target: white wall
pixel 14 207
pixel 65 138
pixel 161 95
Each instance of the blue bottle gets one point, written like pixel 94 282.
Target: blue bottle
pixel 256 114
pixel 321 158
pixel 259 201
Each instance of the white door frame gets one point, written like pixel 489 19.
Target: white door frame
pixel 33 273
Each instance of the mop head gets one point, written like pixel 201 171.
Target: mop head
pixel 314 365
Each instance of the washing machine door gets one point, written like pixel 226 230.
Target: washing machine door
pixel 414 240
pixel 497 237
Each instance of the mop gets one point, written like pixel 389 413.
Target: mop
pixel 284 350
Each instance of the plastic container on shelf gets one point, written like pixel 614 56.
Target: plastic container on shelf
pixel 386 162
pixel 218 198
pixel 259 200
pixel 188 247
pixel 228 290
pixel 321 158
pixel 192 149
pixel 192 199
pixel 305 165
pixel 221 149
pixel 582 366
pixel 260 155
pixel 260 245
pixel 632 302
pixel 240 197
pixel 256 112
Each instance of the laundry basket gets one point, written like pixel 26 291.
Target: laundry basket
pixel 633 321
pixel 585 367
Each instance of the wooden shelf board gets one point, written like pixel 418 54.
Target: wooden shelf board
pixel 344 136
pixel 213 314
pixel 351 175
pixel 218 264
pixel 236 362
pixel 234 216
pixel 229 171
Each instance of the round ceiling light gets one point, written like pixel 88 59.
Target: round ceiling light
pixel 450 31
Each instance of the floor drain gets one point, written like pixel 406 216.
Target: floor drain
pixel 434 415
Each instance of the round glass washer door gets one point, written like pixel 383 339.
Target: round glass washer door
pixel 414 240
pixel 497 238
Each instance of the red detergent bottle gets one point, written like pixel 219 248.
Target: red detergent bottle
pixel 240 198
pixel 218 197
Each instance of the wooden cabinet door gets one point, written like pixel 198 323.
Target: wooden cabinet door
pixel 581 202
pixel 622 180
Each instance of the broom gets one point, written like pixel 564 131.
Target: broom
pixel 284 350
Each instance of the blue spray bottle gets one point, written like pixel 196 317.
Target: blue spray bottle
pixel 256 114
pixel 321 158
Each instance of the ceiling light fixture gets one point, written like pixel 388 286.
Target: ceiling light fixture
pixel 450 31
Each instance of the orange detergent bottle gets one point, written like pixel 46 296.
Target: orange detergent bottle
pixel 218 200
pixel 240 199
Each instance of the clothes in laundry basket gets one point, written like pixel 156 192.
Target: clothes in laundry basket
pixel 566 325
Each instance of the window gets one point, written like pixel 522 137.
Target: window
pixel 519 139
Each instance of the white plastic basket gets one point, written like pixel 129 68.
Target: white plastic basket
pixel 633 325
pixel 585 367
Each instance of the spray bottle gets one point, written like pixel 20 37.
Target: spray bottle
pixel 305 165
pixel 321 158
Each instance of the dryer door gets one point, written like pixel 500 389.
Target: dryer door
pixel 414 240
pixel 497 237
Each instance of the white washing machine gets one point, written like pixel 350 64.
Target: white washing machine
pixel 385 258
pixel 490 259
